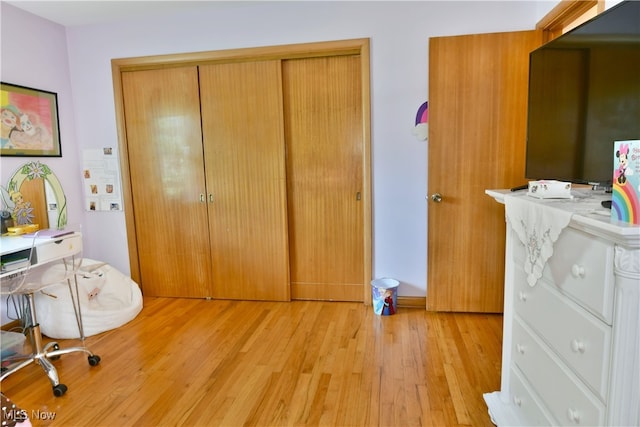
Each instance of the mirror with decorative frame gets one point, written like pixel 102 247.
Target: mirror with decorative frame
pixel 34 195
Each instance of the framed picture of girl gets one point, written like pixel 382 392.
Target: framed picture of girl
pixel 29 123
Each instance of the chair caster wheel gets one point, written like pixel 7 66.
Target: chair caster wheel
pixel 94 360
pixel 59 390
pixel 52 346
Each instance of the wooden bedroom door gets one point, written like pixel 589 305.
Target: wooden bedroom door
pixel 162 115
pixel 325 157
pixel 243 139
pixel 477 130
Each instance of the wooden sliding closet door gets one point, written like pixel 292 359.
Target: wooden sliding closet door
pixel 162 114
pixel 324 134
pixel 245 170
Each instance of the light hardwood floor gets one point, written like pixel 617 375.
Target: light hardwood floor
pixel 232 363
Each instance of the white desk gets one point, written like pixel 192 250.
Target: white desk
pixel 48 249
pixel 10 244
pixel 51 251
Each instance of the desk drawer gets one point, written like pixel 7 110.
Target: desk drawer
pixel 581 267
pixel 581 339
pixel 564 395
pixel 59 248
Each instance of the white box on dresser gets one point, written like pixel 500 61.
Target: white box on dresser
pixel 571 336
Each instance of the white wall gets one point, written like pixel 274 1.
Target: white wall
pixel 399 33
pixel 34 54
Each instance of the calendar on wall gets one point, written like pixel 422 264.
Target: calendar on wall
pixel 101 178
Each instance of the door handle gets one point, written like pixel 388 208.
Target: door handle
pixel 436 197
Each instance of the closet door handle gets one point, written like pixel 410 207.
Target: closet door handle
pixel 358 196
pixel 210 198
pixel 201 197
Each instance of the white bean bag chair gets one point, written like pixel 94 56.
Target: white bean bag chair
pixel 108 299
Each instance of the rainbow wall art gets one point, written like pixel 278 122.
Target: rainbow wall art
pixel 421 127
pixel 625 200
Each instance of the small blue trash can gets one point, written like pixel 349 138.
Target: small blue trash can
pixel 384 295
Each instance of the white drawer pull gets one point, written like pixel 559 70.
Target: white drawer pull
pixel 577 346
pixel 517 401
pixel 520 348
pixel 522 296
pixel 577 271
pixel 574 416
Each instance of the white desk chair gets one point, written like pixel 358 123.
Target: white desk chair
pixel 52 260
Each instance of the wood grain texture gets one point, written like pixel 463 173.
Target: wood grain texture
pixel 359 47
pixel 33 191
pixel 567 13
pixel 477 133
pixel 244 152
pixel 230 363
pixel 325 146
pixel 162 113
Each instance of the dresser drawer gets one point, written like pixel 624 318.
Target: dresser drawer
pixel 581 267
pixel 565 396
pixel 527 403
pixel 581 339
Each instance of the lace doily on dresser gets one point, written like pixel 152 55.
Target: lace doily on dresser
pixel 538 227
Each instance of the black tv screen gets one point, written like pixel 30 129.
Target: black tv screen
pixel 584 94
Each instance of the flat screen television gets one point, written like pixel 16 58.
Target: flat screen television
pixel 584 94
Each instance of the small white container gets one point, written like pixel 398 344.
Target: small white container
pixel 550 189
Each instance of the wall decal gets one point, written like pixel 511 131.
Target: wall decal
pixel 421 128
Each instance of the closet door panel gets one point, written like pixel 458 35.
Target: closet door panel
pixel 245 173
pixel 162 115
pixel 324 134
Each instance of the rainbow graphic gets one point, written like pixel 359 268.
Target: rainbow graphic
pixel 625 203
pixel 421 128
pixel 422 116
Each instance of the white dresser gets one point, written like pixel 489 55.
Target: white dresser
pixel 571 343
